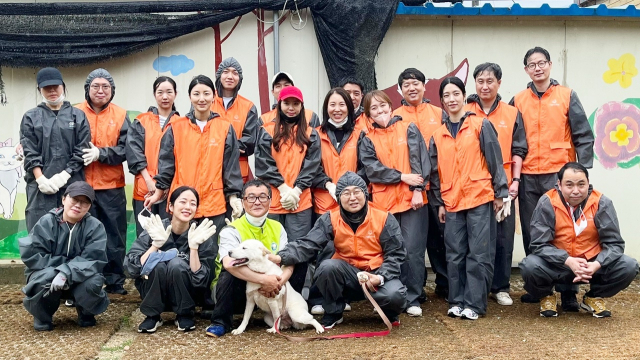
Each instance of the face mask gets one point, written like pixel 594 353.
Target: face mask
pixel 338 125
pixel 56 102
pixel 256 221
pixel 579 228
pixel 291 120
pixel 144 220
pixel 383 119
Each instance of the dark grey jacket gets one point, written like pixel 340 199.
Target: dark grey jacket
pixel 54 142
pixel 308 246
pixel 136 158
pixel 79 257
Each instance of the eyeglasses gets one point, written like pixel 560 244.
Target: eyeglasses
pixel 540 64
pixel 97 87
pixel 82 203
pixel 252 198
pixel 355 192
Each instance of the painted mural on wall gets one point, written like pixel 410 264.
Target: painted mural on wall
pixel 176 64
pixel 10 174
pixel 621 70
pixel 615 125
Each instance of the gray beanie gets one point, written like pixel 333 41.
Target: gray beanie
pixel 351 179
pixel 95 74
pixel 229 62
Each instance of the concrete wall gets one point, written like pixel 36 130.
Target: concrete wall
pixel 582 51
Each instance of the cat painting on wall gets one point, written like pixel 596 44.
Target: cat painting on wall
pixel 10 174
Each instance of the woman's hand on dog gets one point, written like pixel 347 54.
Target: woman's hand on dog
pixel 270 286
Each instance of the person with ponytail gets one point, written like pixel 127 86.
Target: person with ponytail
pixel 143 146
pixel 52 135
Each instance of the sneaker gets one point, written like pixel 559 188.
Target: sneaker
pixel 215 330
pixel 442 292
pixel 394 321
pixel 454 312
pixel 469 314
pixel 329 321
pixel 150 324
pixel 503 298
pixel 423 297
pixel 595 305
pixel 548 306
pixel 85 320
pixel 347 307
pixel 115 289
pixel 41 325
pixel 414 311
pixel 69 303
pixel 529 299
pixel 317 310
pixel 185 323
pixel 569 301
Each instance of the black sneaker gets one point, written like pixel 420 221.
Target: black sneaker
pixel 423 297
pixel 442 292
pixel 69 303
pixel 529 299
pixel 569 301
pixel 41 325
pixel 150 324
pixel 116 289
pixel 185 323
pixel 330 320
pixel 85 320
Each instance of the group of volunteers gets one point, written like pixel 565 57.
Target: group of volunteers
pixel 361 189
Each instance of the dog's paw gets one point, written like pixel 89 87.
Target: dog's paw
pixel 237 331
pixel 271 330
pixel 319 330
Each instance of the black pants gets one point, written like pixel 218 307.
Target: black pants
pixel 110 207
pixel 88 295
pixel 231 295
pixel 39 203
pixel 436 251
pixel 504 252
pixel 168 288
pixel 413 225
pixel 540 276
pixel 160 209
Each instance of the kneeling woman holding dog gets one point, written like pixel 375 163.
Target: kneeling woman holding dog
pixel 170 262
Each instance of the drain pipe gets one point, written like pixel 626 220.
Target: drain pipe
pixel 276 43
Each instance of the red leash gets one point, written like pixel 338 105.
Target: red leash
pixel 350 335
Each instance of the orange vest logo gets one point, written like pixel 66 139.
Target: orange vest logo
pixel 213 142
pixel 554 102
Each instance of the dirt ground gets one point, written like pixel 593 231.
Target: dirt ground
pixel 507 332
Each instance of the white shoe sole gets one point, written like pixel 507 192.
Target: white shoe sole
pixel 334 324
pixel 183 329
pixel 317 310
pixel 414 314
pixel 158 324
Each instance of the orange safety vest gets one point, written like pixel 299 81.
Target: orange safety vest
pixel 199 156
pixel 289 162
pixel 503 118
pixel 393 152
pixel 152 136
pixel 362 249
pixel 363 122
pixel 427 118
pixel 236 114
pixel 271 116
pixel 546 122
pixel 105 132
pixel 587 244
pixel 335 165
pixel 465 181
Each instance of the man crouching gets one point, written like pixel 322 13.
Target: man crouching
pixel 575 238
pixel 366 239
pixel 64 255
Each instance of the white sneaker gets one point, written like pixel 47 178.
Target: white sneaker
pixel 469 314
pixel 414 311
pixel 347 307
pixel 503 298
pixel 317 310
pixel 454 312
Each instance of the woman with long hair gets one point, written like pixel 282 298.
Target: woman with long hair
pixel 143 146
pixel 468 184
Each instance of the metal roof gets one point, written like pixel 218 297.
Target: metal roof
pixel 517 10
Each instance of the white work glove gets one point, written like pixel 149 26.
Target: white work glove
pixel 236 206
pixel 506 209
pixel 144 220
pixel 58 282
pixel 293 198
pixel 284 190
pixel 202 233
pixel 331 188
pixel 91 154
pixel 60 179
pixel 157 232
pixel 45 186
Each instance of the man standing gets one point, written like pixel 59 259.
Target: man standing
pixel 356 91
pixel 109 124
pixel 557 132
pixel 575 238
pixel 239 111
pixel 507 121
pixel 279 82
pixel 416 109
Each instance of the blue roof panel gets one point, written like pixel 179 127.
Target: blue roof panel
pixel 516 10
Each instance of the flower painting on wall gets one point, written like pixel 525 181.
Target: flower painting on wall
pixel 621 70
pixel 616 126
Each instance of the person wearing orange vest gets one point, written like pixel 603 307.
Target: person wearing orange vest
pixel 239 111
pixel 416 108
pixel 104 171
pixel 288 158
pixel 575 239
pixel 395 160
pixel 468 183
pixel 355 89
pixel 279 82
pixel 143 147
pixel 368 243
pixel 557 131
pixel 507 121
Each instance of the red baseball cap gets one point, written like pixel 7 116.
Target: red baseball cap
pixel 290 92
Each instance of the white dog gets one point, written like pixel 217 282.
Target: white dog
pixel 254 255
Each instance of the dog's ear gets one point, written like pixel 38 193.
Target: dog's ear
pixel 265 252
